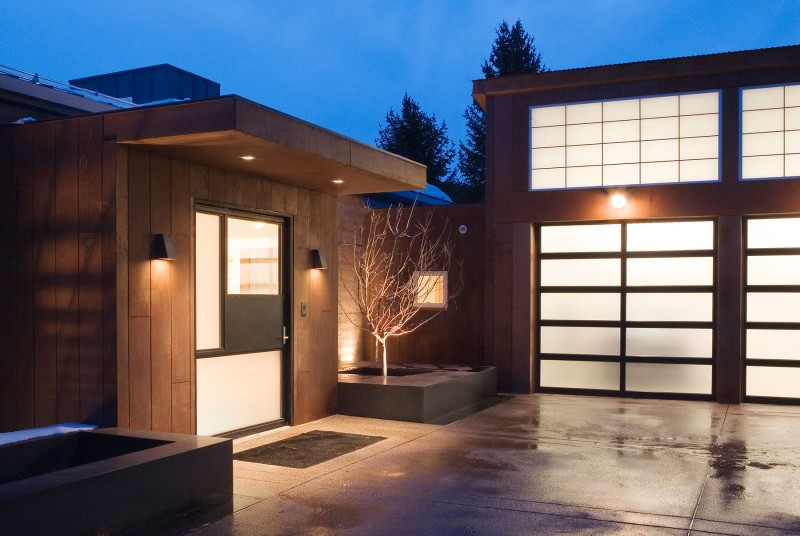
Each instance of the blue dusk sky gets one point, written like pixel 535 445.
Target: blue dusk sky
pixel 344 64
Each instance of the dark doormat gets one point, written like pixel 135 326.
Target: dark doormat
pixel 306 450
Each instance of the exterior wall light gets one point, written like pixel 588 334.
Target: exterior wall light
pixel 337 181
pixel 247 157
pixel 618 201
pixel 318 260
pixel 162 247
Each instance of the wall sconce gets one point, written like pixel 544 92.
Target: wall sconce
pixel 318 260
pixel 162 247
pixel 619 201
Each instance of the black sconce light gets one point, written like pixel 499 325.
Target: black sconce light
pixel 318 260
pixel 162 247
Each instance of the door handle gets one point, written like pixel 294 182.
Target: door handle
pixel 285 336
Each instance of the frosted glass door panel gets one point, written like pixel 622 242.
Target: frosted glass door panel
pixel 580 306
pixel 580 272
pixel 773 270
pixel 580 238
pixel 671 271
pixel 674 307
pixel 579 375
pixel 237 391
pixel 773 381
pixel 207 281
pixel 579 340
pixel 656 378
pixel 773 233
pixel 671 236
pixel 773 307
pixel 669 342
pixel 773 344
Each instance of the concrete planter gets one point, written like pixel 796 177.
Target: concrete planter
pixel 435 394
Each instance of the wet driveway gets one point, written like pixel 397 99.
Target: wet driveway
pixel 539 464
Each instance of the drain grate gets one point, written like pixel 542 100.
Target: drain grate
pixel 306 450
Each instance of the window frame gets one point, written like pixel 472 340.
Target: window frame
pixel 431 273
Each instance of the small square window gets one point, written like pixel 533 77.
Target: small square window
pixel 431 288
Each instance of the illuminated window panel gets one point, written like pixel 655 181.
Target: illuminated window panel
pixel 548 157
pixel 579 375
pixel 773 307
pixel 670 271
pixel 621 153
pixel 548 137
pixel 208 326
pixel 585 155
pixel 585 113
pixel 253 263
pixel 660 129
pixel 580 238
pixel 579 272
pixel 770 141
pixel 762 121
pixel 668 342
pixel 547 116
pixel 773 344
pixel 669 307
pixel 762 98
pixel 544 179
pixel 699 125
pixel 619 110
pixel 660 150
pixel 658 378
pixel 659 172
pixel 585 134
pixel 580 306
pixel 431 289
pixel 792 165
pixel 671 236
pixel 660 107
pixel 620 174
pixel 781 382
pixel 773 233
pixel 695 148
pixel 773 270
pixel 699 170
pixel 579 340
pixel 699 103
pixel 620 131
pixel 584 176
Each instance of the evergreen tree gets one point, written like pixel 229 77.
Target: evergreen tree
pixel 416 135
pixel 513 52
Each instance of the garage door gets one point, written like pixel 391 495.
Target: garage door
pixel 626 308
pixel 772 310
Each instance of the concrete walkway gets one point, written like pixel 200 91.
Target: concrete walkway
pixel 539 465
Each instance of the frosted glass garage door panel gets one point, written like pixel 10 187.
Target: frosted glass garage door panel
pixel 773 344
pixel 760 98
pixel 656 378
pixel 671 271
pixel 671 236
pixel 580 238
pixel 547 116
pixel 589 306
pixel 773 270
pixel 670 307
pixel 773 233
pixel 579 340
pixel 773 307
pixel 773 381
pixel 580 272
pixel 579 375
pixel 237 391
pixel 669 342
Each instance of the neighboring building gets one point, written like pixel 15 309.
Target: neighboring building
pixel 101 328
pixel 690 290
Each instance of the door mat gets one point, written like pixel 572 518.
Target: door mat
pixel 306 450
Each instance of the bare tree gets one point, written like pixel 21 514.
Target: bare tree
pixel 390 251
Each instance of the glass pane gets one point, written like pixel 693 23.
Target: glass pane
pixel 773 270
pixel 792 165
pixel 791 95
pixel 668 342
pixel 585 113
pixel 580 306
pixel 584 134
pixel 671 236
pixel 762 167
pixel 762 144
pixel 253 261
pixel 547 137
pixel 671 271
pixel 659 150
pixel 760 98
pixel 620 174
pixel 700 103
pixel 762 121
pixel 543 179
pixel 548 157
pixel 660 107
pixel 580 238
pixel 577 340
pixel 659 172
pixel 660 129
pixel 773 233
pixel 672 307
pixel 621 110
pixel 792 118
pixel 579 374
pixel 547 116
pixel 207 281
pixel 657 378
pixel 621 153
pixel 621 131
pixel 699 170
pixel 792 141
pixel 773 344
pixel 693 148
pixel 580 272
pixel 431 288
pixel 699 125
pixel 773 381
pixel 773 307
pixel 584 176
pixel 585 155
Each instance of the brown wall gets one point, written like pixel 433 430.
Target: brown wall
pixel 512 209
pixel 453 337
pixel 95 331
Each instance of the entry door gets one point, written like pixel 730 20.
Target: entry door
pixel 241 302
pixel 626 308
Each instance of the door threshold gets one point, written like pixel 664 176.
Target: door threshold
pixel 256 435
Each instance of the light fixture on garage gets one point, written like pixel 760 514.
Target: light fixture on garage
pixel 619 201
pixel 248 157
pixel 162 247
pixel 318 260
pixel 337 181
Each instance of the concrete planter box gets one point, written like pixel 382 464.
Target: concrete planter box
pixel 433 396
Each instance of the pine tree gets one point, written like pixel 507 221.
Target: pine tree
pixel 513 52
pixel 416 135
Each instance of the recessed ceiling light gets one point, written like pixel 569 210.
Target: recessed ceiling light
pixel 247 157
pixel 337 181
